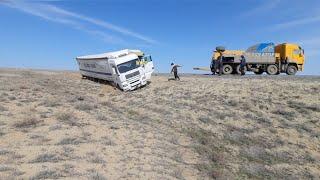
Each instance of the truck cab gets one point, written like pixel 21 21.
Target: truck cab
pixel 129 72
pixel 145 61
pixel 293 54
pixel 127 69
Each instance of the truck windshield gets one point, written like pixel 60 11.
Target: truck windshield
pixel 128 66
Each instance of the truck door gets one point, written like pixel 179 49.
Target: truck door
pixel 115 75
pixel 298 55
pixel 148 66
pixel 295 54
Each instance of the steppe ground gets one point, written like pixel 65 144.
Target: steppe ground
pixel 56 125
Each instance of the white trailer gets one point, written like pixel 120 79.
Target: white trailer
pixel 127 69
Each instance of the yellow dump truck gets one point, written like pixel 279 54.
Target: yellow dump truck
pixel 264 57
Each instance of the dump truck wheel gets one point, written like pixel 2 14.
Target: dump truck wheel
pixel 259 72
pixel 227 69
pixel 238 69
pixel 291 70
pixel 234 71
pixel 272 69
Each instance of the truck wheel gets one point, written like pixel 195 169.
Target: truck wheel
pixel 272 70
pixel 234 71
pixel 118 87
pixel 238 69
pixel 292 70
pixel 227 69
pixel 259 72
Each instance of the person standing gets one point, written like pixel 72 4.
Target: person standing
pixel 242 65
pixel 220 63
pixel 213 66
pixel 174 70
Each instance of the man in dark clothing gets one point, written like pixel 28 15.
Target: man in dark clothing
pixel 220 63
pixel 213 66
pixel 242 65
pixel 174 70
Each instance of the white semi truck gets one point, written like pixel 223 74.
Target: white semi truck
pixel 127 69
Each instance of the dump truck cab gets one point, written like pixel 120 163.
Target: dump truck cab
pixel 292 54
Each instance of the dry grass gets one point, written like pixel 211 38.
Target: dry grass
pixel 84 107
pixel 2 108
pixel 68 141
pixel 56 125
pixel 68 118
pixel 47 174
pixel 53 158
pixel 28 122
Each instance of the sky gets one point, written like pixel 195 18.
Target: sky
pixel 49 34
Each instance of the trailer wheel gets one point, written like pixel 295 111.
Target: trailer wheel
pixel 227 69
pixel 238 69
pixel 272 69
pixel 292 70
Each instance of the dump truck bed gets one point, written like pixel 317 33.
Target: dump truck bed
pixel 259 58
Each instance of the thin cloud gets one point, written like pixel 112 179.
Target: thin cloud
pixel 312 46
pixel 102 24
pixel 297 22
pixel 311 41
pixel 262 8
pixel 59 15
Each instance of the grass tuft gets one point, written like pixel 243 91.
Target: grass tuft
pixel 46 158
pixel 47 174
pixel 68 141
pixel 2 108
pixel 68 118
pixel 29 122
pixel 84 107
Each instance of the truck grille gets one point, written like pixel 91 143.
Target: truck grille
pixel 128 76
pixel 134 82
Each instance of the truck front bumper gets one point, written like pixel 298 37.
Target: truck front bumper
pixel 135 85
